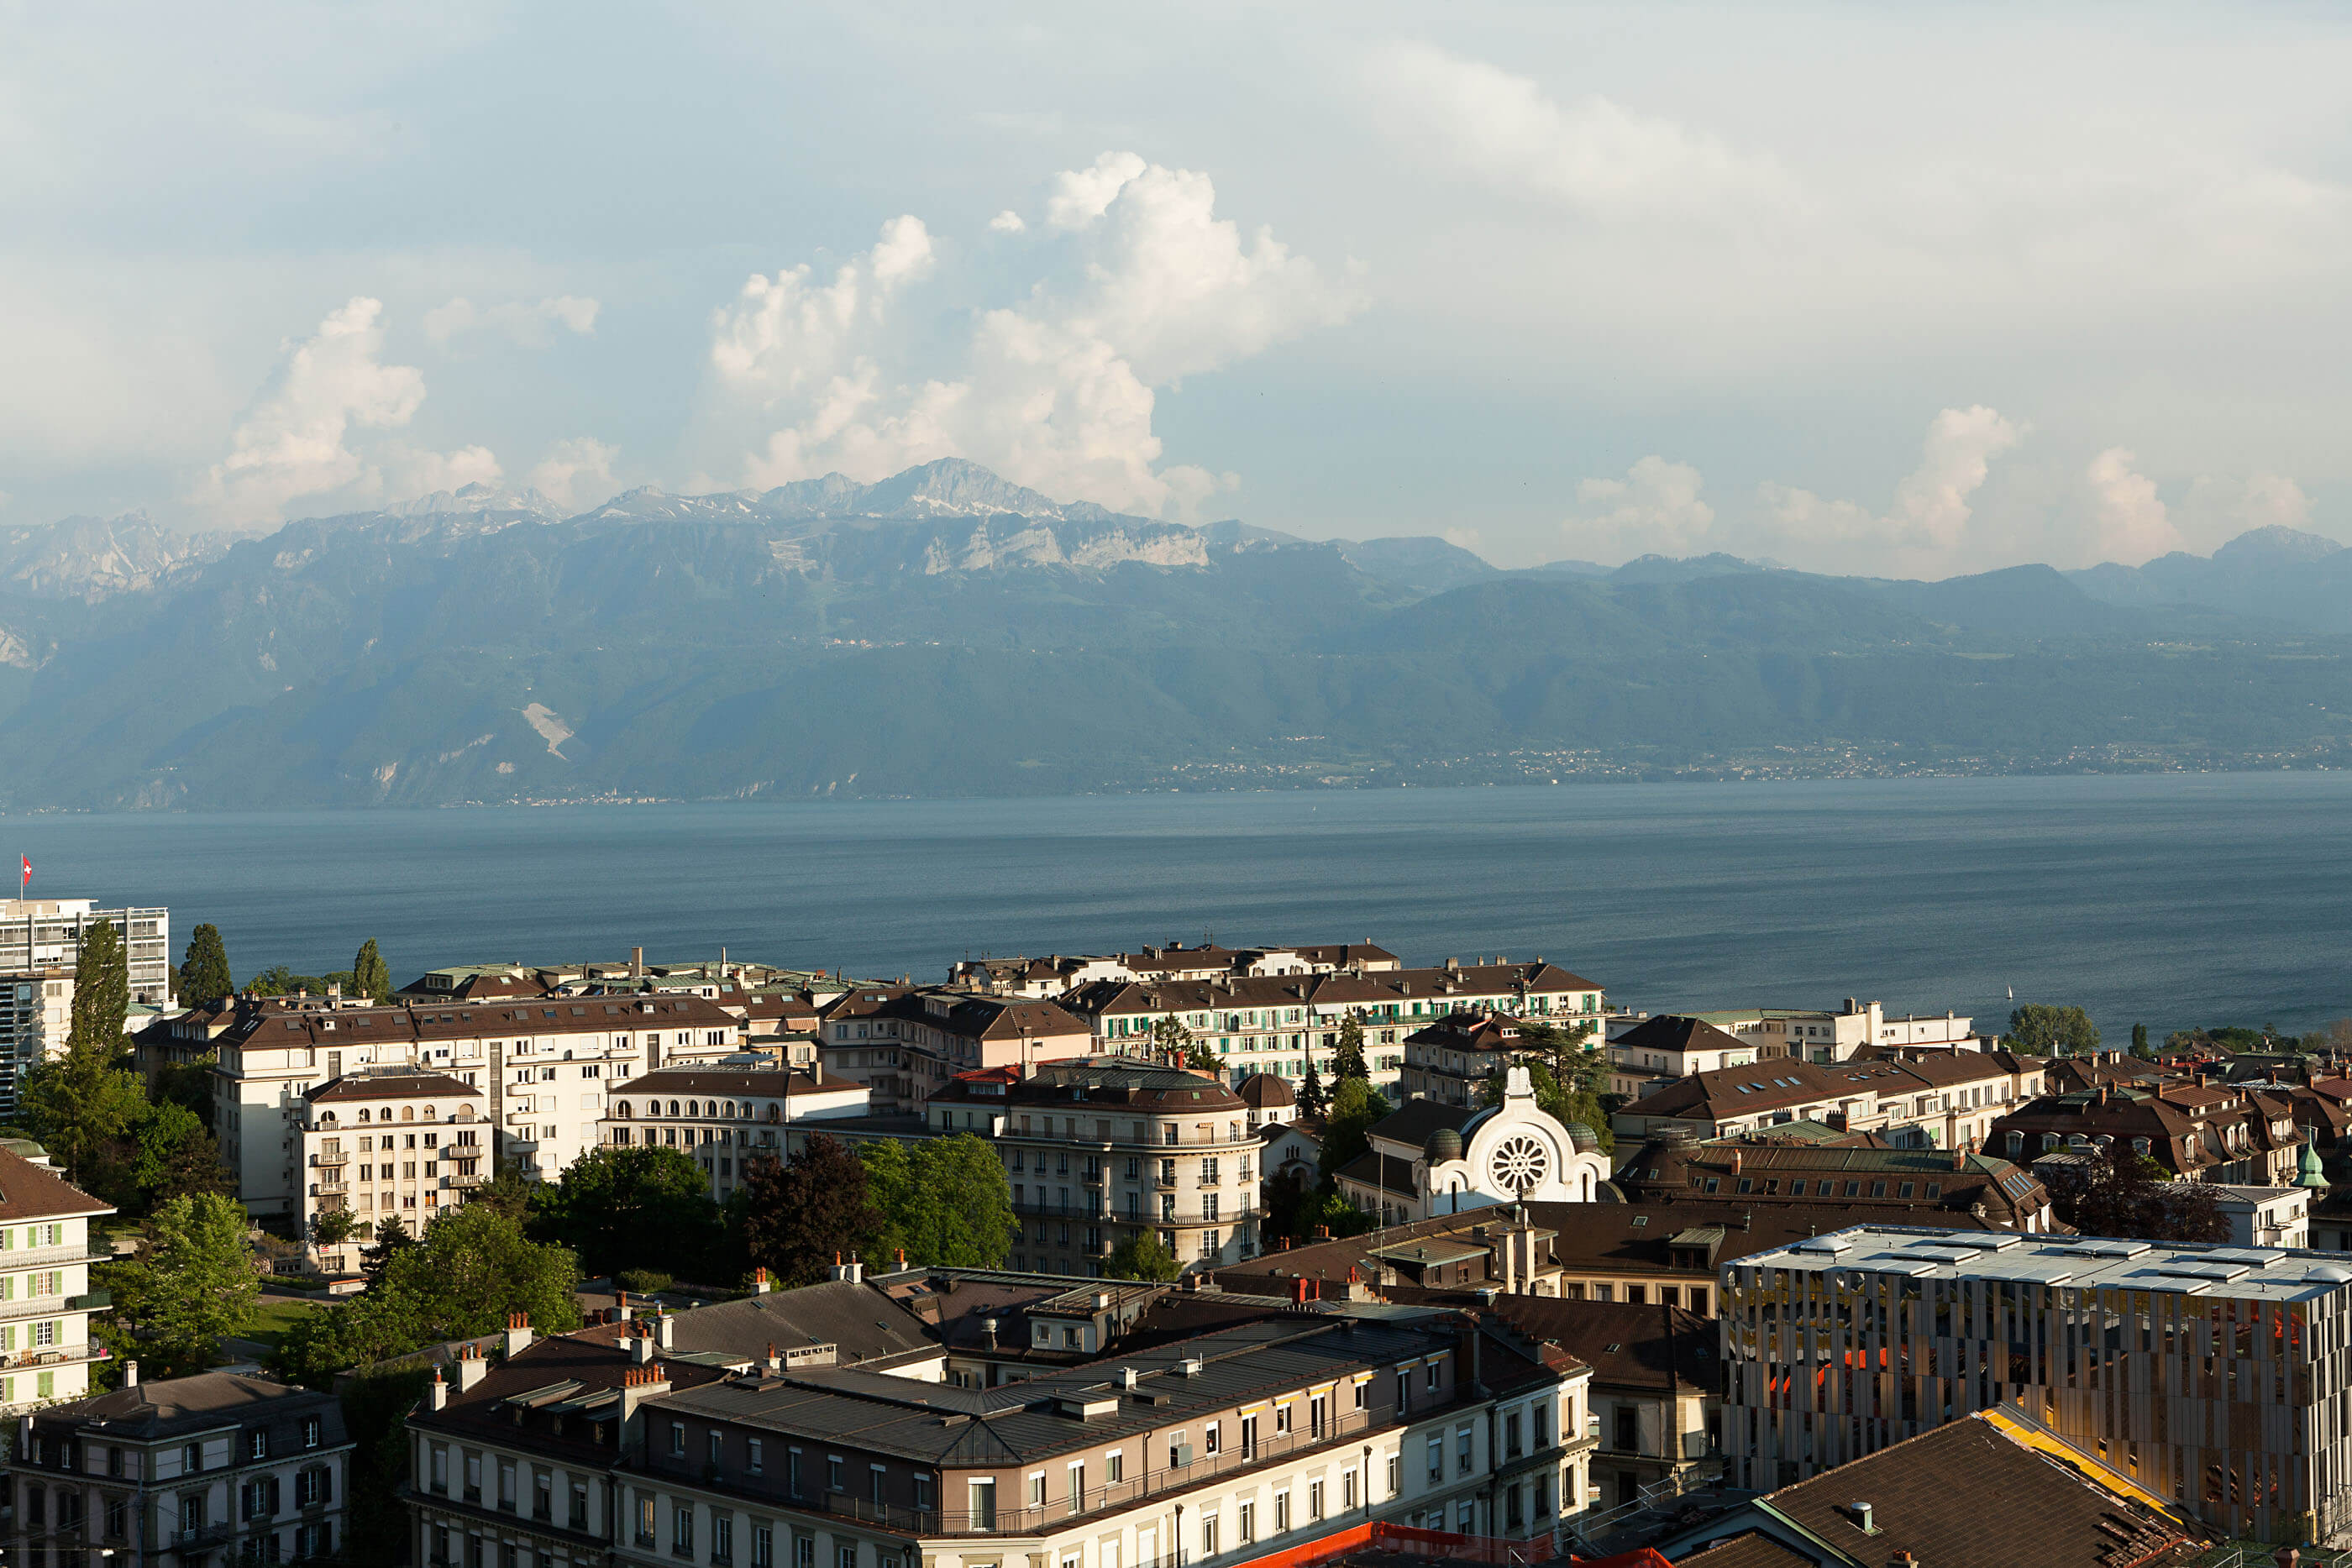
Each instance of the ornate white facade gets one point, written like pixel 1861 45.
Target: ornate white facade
pixel 1430 1159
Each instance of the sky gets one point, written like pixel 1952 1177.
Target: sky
pixel 1912 291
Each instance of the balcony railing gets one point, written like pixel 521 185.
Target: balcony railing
pixel 51 1306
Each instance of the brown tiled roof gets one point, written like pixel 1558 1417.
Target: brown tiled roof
pixel 1628 1344
pixel 1751 1549
pixel 393 1086
pixel 1667 1032
pixel 1264 1091
pixel 29 1192
pixel 1964 1496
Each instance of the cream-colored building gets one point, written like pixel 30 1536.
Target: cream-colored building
pixel 1430 1158
pixel 387 1143
pixel 725 1116
pixel 46 1302
pixel 542 1066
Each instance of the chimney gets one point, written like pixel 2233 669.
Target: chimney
pixel 518 1335
pixel 853 1272
pixel 662 1321
pixel 438 1394
pixel 639 1383
pixel 471 1367
pixel 637 963
pixel 775 1362
pixel 1861 1518
pixel 1735 1161
pixel 1128 1378
pixel 641 1343
pixel 988 1333
pixel 760 1281
pixel 1959 1159
pixel 130 1374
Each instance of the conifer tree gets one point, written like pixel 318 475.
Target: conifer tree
pixel 371 976
pixel 204 977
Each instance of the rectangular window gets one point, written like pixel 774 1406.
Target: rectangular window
pixel 678 1440
pixel 681 1531
pixel 1115 1465
pixel 983 1505
pixel 1037 1489
pixel 1077 1487
pixel 1281 1512
pixel 753 1466
pixel 1462 1444
pixel 763 1546
pixel 722 1538
pixel 1437 1459
pixel 1313 1502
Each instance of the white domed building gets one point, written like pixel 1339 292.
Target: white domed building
pixel 1428 1159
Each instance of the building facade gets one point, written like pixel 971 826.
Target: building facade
pixel 1430 1158
pixel 389 1143
pixel 1100 1149
pixel 725 1116
pixel 200 1472
pixel 39 939
pixel 46 1300
pixel 2210 1374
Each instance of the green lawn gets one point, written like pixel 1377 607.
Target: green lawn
pixel 273 1315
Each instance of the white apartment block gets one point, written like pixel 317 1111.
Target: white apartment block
pixel 38 941
pixel 542 1066
pixel 726 1115
pixel 389 1143
pixel 45 1300
pixel 1820 1036
pixel 217 1469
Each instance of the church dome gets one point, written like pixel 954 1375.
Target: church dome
pixel 1582 1138
pixel 1443 1145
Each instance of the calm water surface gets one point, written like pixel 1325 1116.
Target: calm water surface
pixel 2171 900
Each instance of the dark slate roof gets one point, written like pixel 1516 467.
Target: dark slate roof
pixel 1751 1549
pixel 1411 1123
pixel 865 1322
pixel 206 1402
pixel 1666 1032
pixel 397 1084
pixel 1386 1172
pixel 1628 1344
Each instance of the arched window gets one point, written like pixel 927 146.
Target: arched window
pixel 384 1113
pixel 2049 1139
pixel 433 1113
pixel 730 1110
pixel 408 1113
pixel 363 1115
pixel 775 1112
pixel 621 1110
pixel 328 1120
pixel 2016 1142
pixel 2140 1145
pixel 673 1107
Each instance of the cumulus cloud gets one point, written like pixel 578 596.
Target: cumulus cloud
pixel 1932 504
pixel 1007 222
pixel 532 326
pixel 1055 390
pixel 576 473
pixel 411 471
pixel 1656 509
pixel 293 442
pixel 1595 155
pixel 2129 519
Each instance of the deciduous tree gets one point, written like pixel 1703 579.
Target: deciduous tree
pixel 2039 1029
pixel 631 1206
pixel 1355 1107
pixel 797 1214
pixel 2129 1194
pixel 80 1101
pixel 191 1284
pixel 176 1157
pixel 1141 1255
pixel 371 976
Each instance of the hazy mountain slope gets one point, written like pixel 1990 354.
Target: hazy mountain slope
pixel 947 633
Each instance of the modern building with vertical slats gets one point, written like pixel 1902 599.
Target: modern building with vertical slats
pixel 2213 1376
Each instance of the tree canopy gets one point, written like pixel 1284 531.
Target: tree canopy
pixel 191 1283
pixel 1141 1255
pixel 2129 1194
pixel 2039 1030
pixel 371 976
pixel 1311 1101
pixel 80 1102
pixel 1355 1105
pixel 945 1200
pixel 795 1215
pixel 1348 1058
pixel 204 976
pixel 626 1206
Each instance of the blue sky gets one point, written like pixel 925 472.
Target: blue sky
pixel 1915 290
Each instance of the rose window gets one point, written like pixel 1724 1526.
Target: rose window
pixel 1520 1164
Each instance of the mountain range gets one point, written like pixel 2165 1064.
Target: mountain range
pixel 945 631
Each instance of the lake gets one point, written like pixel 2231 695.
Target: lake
pixel 2172 900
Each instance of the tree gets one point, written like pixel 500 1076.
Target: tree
pixel 1141 1255
pixel 204 976
pixel 2139 1042
pixel 796 1215
pixel 374 1326
pixel 189 1285
pixel 473 1267
pixel 371 976
pixel 620 1205
pixel 2129 1194
pixel 505 1193
pixel 176 1157
pixel 1355 1107
pixel 2038 1030
pixel 80 1102
pixel 1311 1102
pixel 189 1084
pixel 1567 1104
pixel 1201 1058
pixel 333 1227
pixel 391 1238
pixel 1171 1041
pixel 1348 1057
pixel 946 1201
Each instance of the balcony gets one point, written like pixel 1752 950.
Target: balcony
pixel 54 1306
pixel 197 1537
pixel 464 1181
pixel 330 1188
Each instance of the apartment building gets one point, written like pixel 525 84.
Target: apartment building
pixel 1052 976
pixel 1101 1148
pixel 725 1115
pixel 45 932
pixel 542 1067
pixel 2197 1132
pixel 1823 1036
pixel 1277 1023
pixel 2211 1375
pixel 46 1302
pixel 208 1470
pixel 1648 1055
pixel 1655 1394
pixel 903 1043
pixel 1894 1186
pixel 1268 1431
pixel 1940 1100
pixel 389 1143
pixel 1450 1061
pixel 38 941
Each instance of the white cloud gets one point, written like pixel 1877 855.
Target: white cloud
pixel 291 442
pixel 1594 154
pixel 1656 509
pixel 2130 521
pixel 1007 222
pixel 576 473
pixel 1055 390
pixel 411 471
pixel 532 326
pixel 1929 518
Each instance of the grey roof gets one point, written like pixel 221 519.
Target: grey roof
pixel 206 1402
pixel 1412 1122
pixel 2243 1273
pixel 863 1323
pixel 1020 1421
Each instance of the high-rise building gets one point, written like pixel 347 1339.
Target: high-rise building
pixel 38 940
pixel 2211 1375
